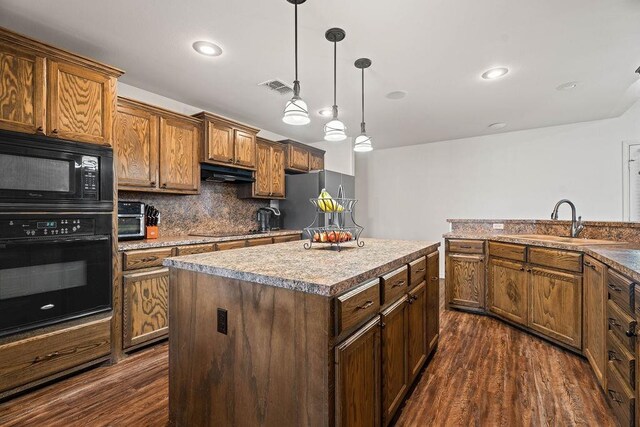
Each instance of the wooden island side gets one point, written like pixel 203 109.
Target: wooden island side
pixel 284 336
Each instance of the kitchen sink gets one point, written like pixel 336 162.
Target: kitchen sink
pixel 559 239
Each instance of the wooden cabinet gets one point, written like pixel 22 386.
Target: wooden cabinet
pixel 508 290
pixel 555 305
pixel 302 158
pixel 22 90
pixel 357 378
pixel 157 150
pixel 49 91
pixel 594 319
pixel 465 281
pixel 179 146
pixel 228 143
pixel 433 300
pixel 136 137
pixel 417 338
pixel 395 368
pixel 270 181
pixel 145 311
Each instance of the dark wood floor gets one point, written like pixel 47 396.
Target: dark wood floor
pixel 484 373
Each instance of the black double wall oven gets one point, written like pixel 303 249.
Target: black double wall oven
pixel 56 202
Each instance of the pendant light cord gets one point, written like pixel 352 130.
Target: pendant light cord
pixel 335 56
pixel 363 96
pixel 296 38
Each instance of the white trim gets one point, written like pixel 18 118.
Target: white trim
pixel 626 197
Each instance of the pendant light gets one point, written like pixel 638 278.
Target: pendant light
pixel 363 141
pixel 296 112
pixel 335 129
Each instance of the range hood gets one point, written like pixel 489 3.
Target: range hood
pixel 212 173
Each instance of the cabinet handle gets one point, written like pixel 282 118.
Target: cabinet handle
pixel 588 264
pixel 365 305
pixel 382 325
pixel 420 270
pixel 614 287
pixel 55 131
pixel 164 185
pixel 613 355
pixel 152 258
pixel 434 278
pixel 465 247
pixel 400 283
pixel 521 268
pixel 529 270
pixel 153 183
pixel 631 333
pixel 39 129
pixel 613 395
pixel 612 322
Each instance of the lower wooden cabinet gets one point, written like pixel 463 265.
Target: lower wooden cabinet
pixel 418 344
pixel 594 318
pixel 508 290
pixel 465 280
pixel 145 311
pixel 395 369
pixel 433 300
pixel 555 305
pixel 357 378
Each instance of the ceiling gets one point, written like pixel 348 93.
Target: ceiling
pixel 433 49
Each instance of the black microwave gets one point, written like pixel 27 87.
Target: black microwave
pixel 39 173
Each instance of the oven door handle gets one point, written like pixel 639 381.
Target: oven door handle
pixel 52 241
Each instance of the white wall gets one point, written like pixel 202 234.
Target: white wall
pixel 409 192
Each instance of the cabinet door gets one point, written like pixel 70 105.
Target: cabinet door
pixel 145 306
pixel 465 280
pixel 357 380
pixel 298 158
pixel 21 91
pixel 277 172
pixel 179 167
pixel 316 162
pixel 508 290
pixel 136 143
pixel 219 147
pixel 245 149
pixel 418 344
pixel 262 185
pixel 81 103
pixel 395 367
pixel 433 300
pixel 595 324
pixel 555 305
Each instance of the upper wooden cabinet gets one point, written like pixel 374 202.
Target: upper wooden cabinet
pixel 228 143
pixel 77 94
pixel 302 158
pixel 157 150
pixel 269 183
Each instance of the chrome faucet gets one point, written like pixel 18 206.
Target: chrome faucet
pixel 576 226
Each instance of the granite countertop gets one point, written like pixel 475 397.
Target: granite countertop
pixel 317 270
pixel 624 257
pixel 545 221
pixel 162 242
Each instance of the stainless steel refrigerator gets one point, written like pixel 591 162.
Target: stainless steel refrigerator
pixel 297 212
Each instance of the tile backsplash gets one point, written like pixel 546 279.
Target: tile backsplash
pixel 216 209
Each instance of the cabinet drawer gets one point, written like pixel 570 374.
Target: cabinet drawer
pixel 622 325
pixel 622 359
pixel 555 258
pixel 508 251
pixel 620 397
pixel 394 285
pixel 620 290
pixel 31 359
pixel 133 260
pixel 195 249
pixel 282 239
pixel 259 242
pixel 231 245
pixel 467 246
pixel 418 271
pixel 357 305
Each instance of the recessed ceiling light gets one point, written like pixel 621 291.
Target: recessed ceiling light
pixel 497 125
pixel 495 73
pixel 397 94
pixel 326 112
pixel 567 86
pixel 207 48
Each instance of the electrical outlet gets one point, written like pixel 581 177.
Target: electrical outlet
pixel 222 321
pixel 498 226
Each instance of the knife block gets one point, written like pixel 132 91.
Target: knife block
pixel 152 232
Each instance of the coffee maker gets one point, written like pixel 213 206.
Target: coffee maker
pixel 268 219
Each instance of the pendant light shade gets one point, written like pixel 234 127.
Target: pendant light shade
pixel 363 141
pixel 296 112
pixel 335 130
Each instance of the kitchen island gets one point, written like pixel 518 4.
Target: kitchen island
pixel 280 335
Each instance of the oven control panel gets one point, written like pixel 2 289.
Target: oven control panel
pixel 17 228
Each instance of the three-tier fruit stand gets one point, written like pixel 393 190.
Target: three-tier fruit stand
pixel 340 225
